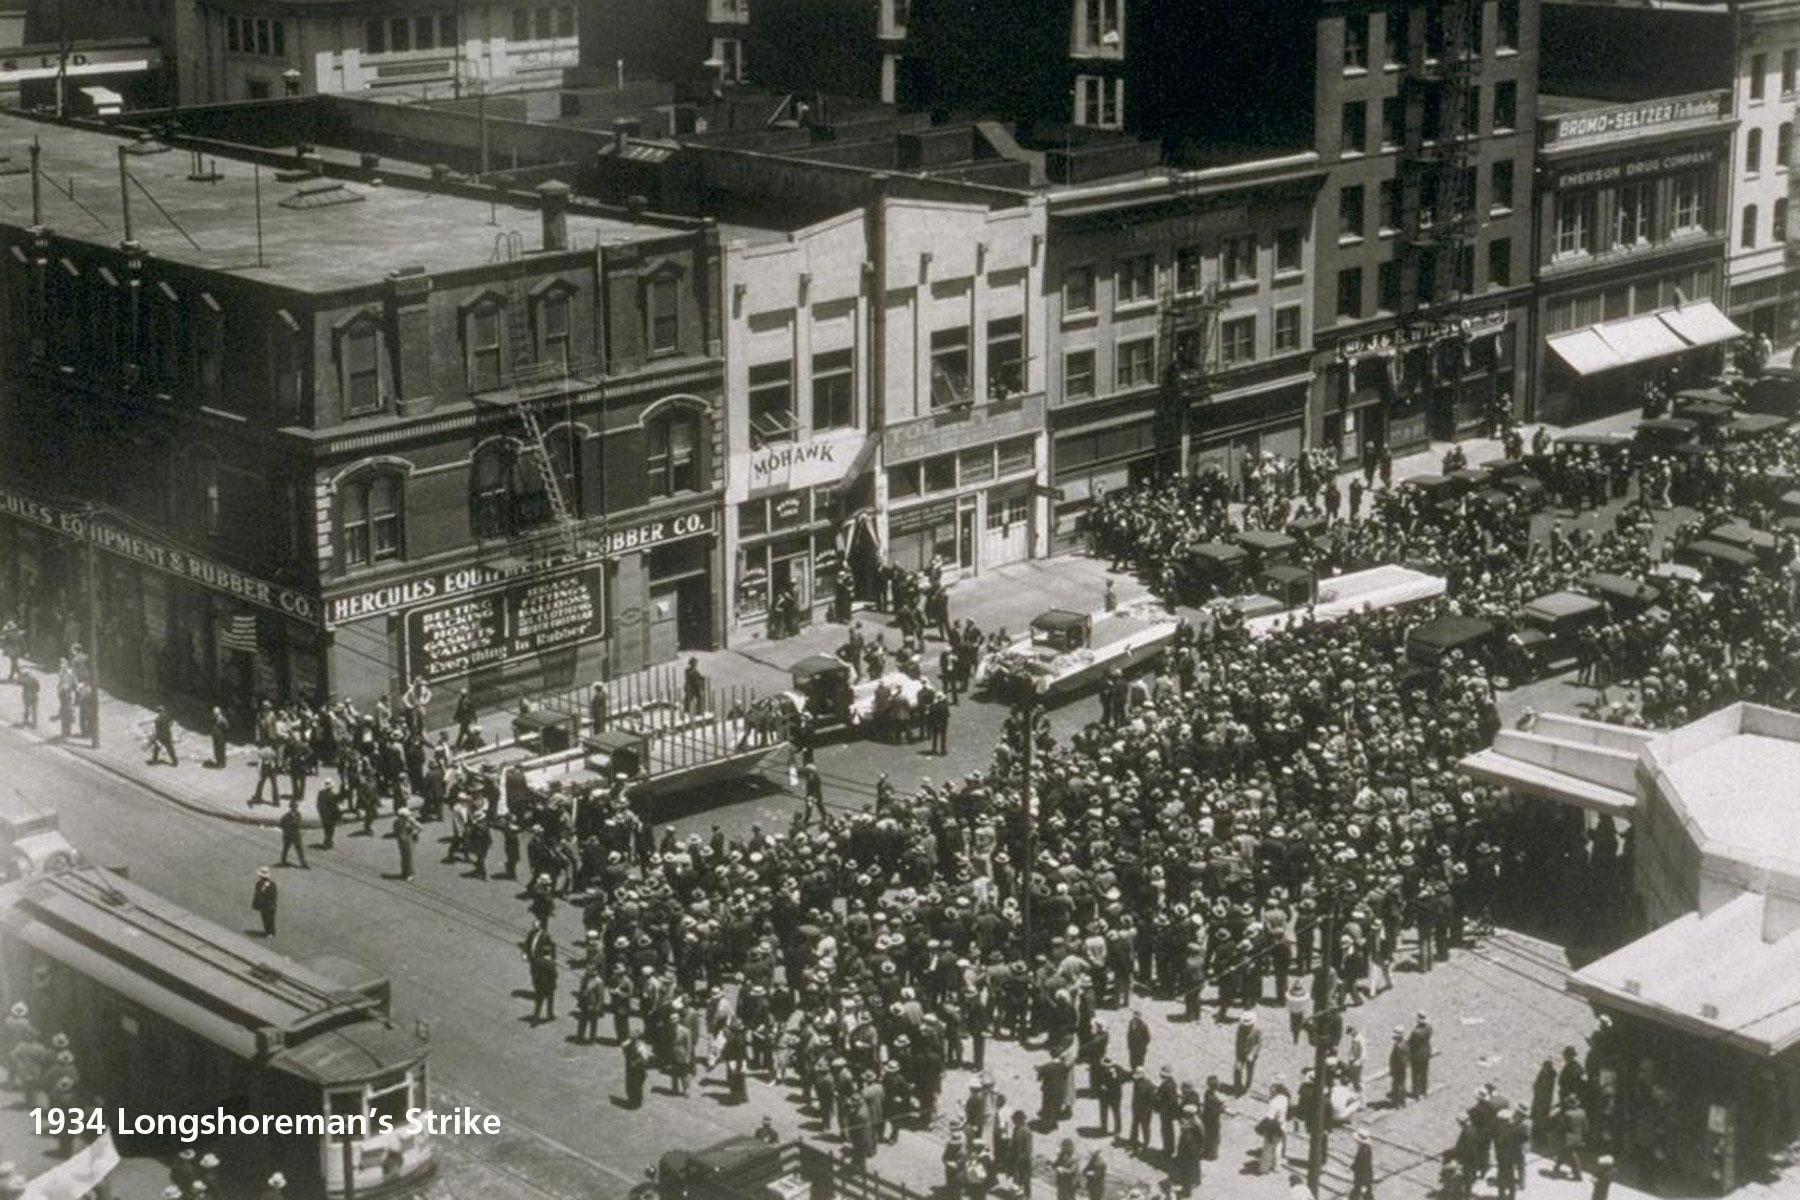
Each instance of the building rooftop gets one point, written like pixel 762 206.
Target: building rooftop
pixel 1741 791
pixel 318 234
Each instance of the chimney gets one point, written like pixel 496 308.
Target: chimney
pixel 553 194
pixel 621 133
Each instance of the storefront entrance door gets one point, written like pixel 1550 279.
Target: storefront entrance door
pixel 965 534
pixel 1007 537
pixel 795 573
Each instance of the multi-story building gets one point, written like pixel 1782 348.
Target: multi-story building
pixel 1180 315
pixel 256 49
pixel 1632 203
pixel 1763 287
pixel 1751 47
pixel 1426 116
pixel 902 334
pixel 333 435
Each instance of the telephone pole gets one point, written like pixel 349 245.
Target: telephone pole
pixel 1325 1018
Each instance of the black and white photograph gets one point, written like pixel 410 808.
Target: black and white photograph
pixel 899 600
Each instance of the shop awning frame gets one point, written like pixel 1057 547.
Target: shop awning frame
pixel 1700 323
pixel 1608 345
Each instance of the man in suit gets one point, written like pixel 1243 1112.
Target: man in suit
pixel 1018 1153
pixel 265 898
pixel 1397 1059
pixel 1418 1056
pixel 1362 1169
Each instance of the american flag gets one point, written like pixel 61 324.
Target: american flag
pixel 240 633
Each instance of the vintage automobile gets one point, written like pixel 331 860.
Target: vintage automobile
pixel 1709 408
pixel 1546 632
pixel 1266 547
pixel 1714 559
pixel 1435 640
pixel 738 1168
pixel 1062 630
pixel 822 683
pixel 1759 542
pixel 1662 434
pixel 1627 597
pixel 1293 587
pixel 1748 427
pixel 1211 569
pixel 1775 391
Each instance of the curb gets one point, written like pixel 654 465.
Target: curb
pixel 195 806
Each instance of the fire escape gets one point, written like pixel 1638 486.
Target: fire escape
pixel 531 383
pixel 1437 186
pixel 1185 345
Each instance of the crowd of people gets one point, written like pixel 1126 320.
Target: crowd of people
pixel 1260 808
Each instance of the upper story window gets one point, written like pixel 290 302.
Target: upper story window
pixel 772 404
pixel 1687 204
pixel 563 446
pixel 1747 230
pixel 1237 259
pixel 1759 75
pixel 729 54
pixel 286 363
pixel 1394 36
pixel 266 36
pixel 1005 356
pixel 950 367
pixel 1101 29
pixel 1356 41
pixel 553 325
pixel 1506 35
pixel 359 365
pixel 662 315
pixel 1188 260
pixel 1099 101
pixel 1355 133
pixel 834 390
pixel 1351 209
pixel 1632 214
pixel 482 329
pixel 672 453
pixel 1288 244
pixel 1506 105
pixel 1078 289
pixel 489 488
pixel 1784 143
pixel 1753 152
pixel 199 503
pixel 1575 223
pixel 1500 185
pixel 371 519
pixel 1135 280
pixel 209 345
pixel 1790 67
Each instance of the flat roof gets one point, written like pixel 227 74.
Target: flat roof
pixel 1741 789
pixel 1712 975
pixel 311 247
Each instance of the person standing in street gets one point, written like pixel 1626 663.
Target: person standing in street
pixel 814 795
pixel 1418 1056
pixel 637 1070
pixel 330 811
pixel 1397 1060
pixel 1362 1169
pixel 162 737
pixel 406 835
pixel 291 826
pixel 1246 1052
pixel 693 688
pixel 265 898
pixel 218 727
pixel 540 957
pixel 30 687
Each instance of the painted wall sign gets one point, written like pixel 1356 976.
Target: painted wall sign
pixel 1421 333
pixel 107 533
pixel 504 623
pixel 1597 126
pixel 960 428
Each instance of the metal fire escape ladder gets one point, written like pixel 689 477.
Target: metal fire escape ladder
pixel 1441 226
pixel 521 365
pixel 1186 340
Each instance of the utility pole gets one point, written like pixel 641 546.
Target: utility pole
pixel 93 631
pixel 1029 712
pixel 1325 1016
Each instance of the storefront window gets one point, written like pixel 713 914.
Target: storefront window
pixel 903 482
pixel 753 518
pixel 977 466
pixel 789 511
pixel 940 473
pixel 1020 454
pixel 1004 512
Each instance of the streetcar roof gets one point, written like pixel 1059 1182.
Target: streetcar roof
pixel 218 984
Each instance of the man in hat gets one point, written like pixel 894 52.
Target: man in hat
pixel 1168 1107
pixel 274 1187
pixel 637 1069
pixel 1397 1060
pixel 1111 1085
pixel 264 898
pixel 1603 1177
pixel 1362 1168
pixel 1143 1107
pixel 590 1003
pixel 292 824
pixel 1247 1049
pixel 1418 1056
pixel 406 835
pixel 1572 1123
pixel 1137 1039
pixel 1018 1154
pixel 1511 1135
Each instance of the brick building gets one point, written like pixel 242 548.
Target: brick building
pixel 356 434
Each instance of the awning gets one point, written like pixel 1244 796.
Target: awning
pixel 1639 339
pixel 1701 324
pixel 1584 352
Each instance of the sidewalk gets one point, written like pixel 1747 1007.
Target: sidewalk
pixel 1005 598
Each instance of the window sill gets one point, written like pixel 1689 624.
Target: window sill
pixel 1348 153
pixel 1290 275
pixel 1387 232
pixel 1237 287
pixel 1355 72
pixel 1085 315
pixel 1570 256
pixel 1500 210
pixel 1350 239
pixel 1134 307
pixel 1506 52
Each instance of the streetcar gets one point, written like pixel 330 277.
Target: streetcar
pixel 170 1014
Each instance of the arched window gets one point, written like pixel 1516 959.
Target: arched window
pixel 673 453
pixel 488 491
pixel 372 519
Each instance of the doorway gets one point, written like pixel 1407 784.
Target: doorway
pixel 965 533
pixel 693 617
pixel 793 572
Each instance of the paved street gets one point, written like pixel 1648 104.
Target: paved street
pixel 450 944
